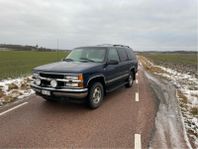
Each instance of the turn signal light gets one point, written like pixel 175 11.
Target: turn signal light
pixel 80 77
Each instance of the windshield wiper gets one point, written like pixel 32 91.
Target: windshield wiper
pixel 86 60
pixel 68 59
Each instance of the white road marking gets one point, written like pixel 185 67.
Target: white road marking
pixel 136 96
pixel 136 81
pixel 11 109
pixel 137 142
pixel 137 74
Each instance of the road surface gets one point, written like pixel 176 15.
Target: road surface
pixel 126 119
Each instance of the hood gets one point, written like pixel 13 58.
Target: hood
pixel 67 67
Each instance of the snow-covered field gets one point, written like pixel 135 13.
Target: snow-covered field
pixel 187 95
pixel 13 89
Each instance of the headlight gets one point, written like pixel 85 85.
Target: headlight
pixel 71 77
pixel 35 75
pixel 54 83
pixel 38 82
pixel 75 81
pixel 72 84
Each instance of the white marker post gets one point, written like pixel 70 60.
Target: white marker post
pixel 136 81
pixel 137 142
pixel 136 96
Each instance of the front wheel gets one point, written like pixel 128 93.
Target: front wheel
pixel 96 95
pixel 130 80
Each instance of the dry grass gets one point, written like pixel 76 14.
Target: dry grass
pixel 8 99
pixel 1 93
pixel 184 101
pixel 182 98
pixel 192 133
pixel 14 91
pixel 156 70
pixel 12 96
pixel 194 110
pixel 25 85
pixel 12 86
pixel 149 66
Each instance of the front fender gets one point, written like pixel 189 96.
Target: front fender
pixel 91 77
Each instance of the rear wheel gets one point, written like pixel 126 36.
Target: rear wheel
pixel 130 80
pixel 96 95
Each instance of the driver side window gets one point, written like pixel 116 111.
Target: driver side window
pixel 113 55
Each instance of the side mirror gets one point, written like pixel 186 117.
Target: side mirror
pixel 112 62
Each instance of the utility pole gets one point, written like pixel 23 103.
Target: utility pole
pixel 57 49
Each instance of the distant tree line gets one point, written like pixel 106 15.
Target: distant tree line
pixel 24 47
pixel 173 52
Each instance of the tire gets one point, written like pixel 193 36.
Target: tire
pixel 130 80
pixel 97 90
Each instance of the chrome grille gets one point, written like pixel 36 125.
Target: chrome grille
pixel 52 76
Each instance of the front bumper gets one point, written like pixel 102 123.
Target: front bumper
pixel 73 93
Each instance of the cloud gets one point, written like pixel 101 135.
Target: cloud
pixel 142 24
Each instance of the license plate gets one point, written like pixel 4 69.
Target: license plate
pixel 44 92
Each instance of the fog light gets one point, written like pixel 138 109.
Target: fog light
pixel 38 82
pixel 54 83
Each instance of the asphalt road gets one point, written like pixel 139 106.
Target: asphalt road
pixel 125 120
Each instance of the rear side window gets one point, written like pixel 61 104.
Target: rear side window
pixel 113 55
pixel 130 53
pixel 123 54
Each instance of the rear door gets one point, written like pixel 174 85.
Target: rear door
pixel 132 59
pixel 124 64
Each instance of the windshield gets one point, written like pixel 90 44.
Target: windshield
pixel 87 55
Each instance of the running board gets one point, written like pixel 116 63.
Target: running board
pixel 117 87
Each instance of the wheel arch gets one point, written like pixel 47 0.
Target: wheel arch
pixel 97 78
pixel 132 69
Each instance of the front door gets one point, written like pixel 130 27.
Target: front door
pixel 112 71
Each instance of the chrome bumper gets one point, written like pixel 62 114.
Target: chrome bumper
pixel 67 92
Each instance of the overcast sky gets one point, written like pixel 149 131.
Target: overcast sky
pixel 142 24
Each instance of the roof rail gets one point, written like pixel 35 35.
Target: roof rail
pixel 105 45
pixel 119 45
pixel 114 45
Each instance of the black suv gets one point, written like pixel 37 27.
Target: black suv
pixel 86 73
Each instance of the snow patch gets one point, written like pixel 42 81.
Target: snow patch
pixel 188 85
pixel 14 89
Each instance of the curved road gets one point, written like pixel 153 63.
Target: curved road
pixel 125 120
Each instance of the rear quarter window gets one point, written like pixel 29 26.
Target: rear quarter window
pixel 122 54
pixel 131 54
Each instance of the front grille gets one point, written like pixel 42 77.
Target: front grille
pixel 53 76
pixel 45 83
pixel 61 84
pixel 60 78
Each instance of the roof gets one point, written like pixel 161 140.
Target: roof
pixel 109 45
pixel 114 45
